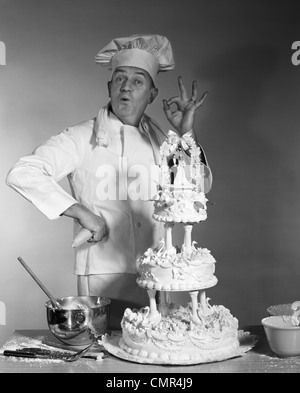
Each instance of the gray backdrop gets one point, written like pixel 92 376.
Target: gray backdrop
pixel 249 126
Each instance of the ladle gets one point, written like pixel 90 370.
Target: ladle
pixel 54 302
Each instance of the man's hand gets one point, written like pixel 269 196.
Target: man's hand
pixel 183 117
pixel 87 219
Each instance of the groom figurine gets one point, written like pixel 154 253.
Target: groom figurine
pixel 173 164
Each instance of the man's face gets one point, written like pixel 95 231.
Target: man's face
pixel 130 90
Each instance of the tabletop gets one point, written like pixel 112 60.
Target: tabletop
pixel 259 359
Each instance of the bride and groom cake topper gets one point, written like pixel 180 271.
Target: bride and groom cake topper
pixel 177 167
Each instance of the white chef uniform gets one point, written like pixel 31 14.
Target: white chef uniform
pixel 126 161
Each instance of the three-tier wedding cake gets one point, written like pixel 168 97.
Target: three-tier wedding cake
pixel 163 332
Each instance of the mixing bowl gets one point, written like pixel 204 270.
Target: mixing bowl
pixel 81 319
pixel 282 336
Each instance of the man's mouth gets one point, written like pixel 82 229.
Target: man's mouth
pixel 124 99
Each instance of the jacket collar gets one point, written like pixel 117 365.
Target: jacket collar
pixel 105 122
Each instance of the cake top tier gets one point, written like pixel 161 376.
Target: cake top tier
pixel 180 197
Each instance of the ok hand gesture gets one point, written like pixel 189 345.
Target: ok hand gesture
pixel 183 117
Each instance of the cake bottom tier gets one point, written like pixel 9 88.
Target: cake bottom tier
pixel 177 336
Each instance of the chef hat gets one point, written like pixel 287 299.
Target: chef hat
pixel 152 53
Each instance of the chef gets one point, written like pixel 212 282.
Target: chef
pixel 110 163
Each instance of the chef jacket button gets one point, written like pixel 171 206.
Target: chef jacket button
pixel 138 224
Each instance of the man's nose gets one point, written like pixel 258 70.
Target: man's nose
pixel 126 86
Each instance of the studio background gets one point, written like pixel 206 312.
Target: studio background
pixel 240 51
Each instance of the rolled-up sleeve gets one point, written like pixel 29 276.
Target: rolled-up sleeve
pixel 36 176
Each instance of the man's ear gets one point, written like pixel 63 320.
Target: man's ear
pixel 153 94
pixel 108 87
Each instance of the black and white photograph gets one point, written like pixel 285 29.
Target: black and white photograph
pixel 150 189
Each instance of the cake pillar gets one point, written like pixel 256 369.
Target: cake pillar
pixel 168 232
pixel 194 298
pixel 203 299
pixel 203 302
pixel 154 315
pixel 188 237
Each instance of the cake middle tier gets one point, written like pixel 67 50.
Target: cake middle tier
pixel 169 270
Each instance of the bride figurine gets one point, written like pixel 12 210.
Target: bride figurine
pixel 180 178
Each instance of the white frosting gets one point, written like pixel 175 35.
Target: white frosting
pixel 181 205
pixel 176 336
pixel 199 331
pixel 179 197
pixel 168 270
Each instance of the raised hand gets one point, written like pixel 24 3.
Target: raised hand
pixel 183 117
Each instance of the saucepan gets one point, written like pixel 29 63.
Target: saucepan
pixel 80 319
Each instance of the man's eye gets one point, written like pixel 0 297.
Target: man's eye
pixel 138 82
pixel 119 79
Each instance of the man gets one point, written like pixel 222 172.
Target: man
pixel 109 162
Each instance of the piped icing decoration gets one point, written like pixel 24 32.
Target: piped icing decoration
pixel 172 269
pixel 177 333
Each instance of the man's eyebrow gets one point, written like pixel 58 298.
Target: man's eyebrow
pixel 141 72
pixel 119 70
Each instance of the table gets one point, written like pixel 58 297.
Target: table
pixel 259 360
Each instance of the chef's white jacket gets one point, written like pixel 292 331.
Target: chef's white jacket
pixel 111 170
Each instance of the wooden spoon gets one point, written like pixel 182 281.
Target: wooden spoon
pixel 54 302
